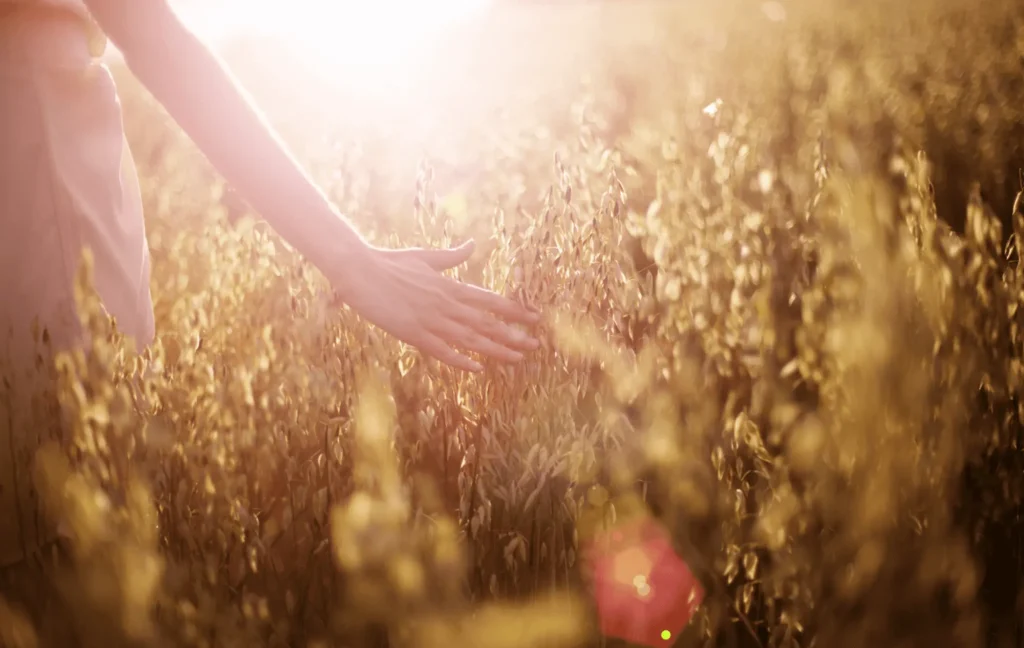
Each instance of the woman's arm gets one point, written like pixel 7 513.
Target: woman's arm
pixel 203 98
pixel 401 291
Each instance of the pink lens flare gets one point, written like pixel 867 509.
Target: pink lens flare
pixel 645 593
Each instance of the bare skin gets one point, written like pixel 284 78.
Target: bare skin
pixel 401 291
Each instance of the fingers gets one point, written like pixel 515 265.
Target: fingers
pixel 445 259
pixel 437 348
pixel 475 296
pixel 463 336
pixel 491 301
pixel 486 325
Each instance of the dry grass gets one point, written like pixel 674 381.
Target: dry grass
pixel 759 327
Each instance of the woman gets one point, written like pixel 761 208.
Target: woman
pixel 67 182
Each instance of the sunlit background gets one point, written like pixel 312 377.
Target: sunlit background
pixel 375 42
pixel 452 81
pixel 780 353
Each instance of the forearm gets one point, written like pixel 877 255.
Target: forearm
pixel 204 99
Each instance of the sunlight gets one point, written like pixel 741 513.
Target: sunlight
pixel 375 42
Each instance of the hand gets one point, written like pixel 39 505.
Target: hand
pixel 404 293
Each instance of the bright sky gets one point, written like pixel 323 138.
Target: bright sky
pixel 372 42
pixel 340 30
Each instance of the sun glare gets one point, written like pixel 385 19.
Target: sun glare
pixel 372 40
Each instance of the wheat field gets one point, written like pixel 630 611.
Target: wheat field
pixel 775 246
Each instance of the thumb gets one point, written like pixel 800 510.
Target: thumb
pixel 448 258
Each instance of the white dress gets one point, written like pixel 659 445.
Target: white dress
pixel 67 181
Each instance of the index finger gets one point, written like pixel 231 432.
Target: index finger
pixel 495 303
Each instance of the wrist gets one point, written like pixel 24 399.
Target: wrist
pixel 337 249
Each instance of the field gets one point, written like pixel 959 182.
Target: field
pixel 775 247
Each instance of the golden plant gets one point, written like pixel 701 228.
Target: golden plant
pixel 759 327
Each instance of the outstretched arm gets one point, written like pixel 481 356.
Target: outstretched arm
pixel 401 291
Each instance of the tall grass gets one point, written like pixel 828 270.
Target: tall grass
pixel 780 269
